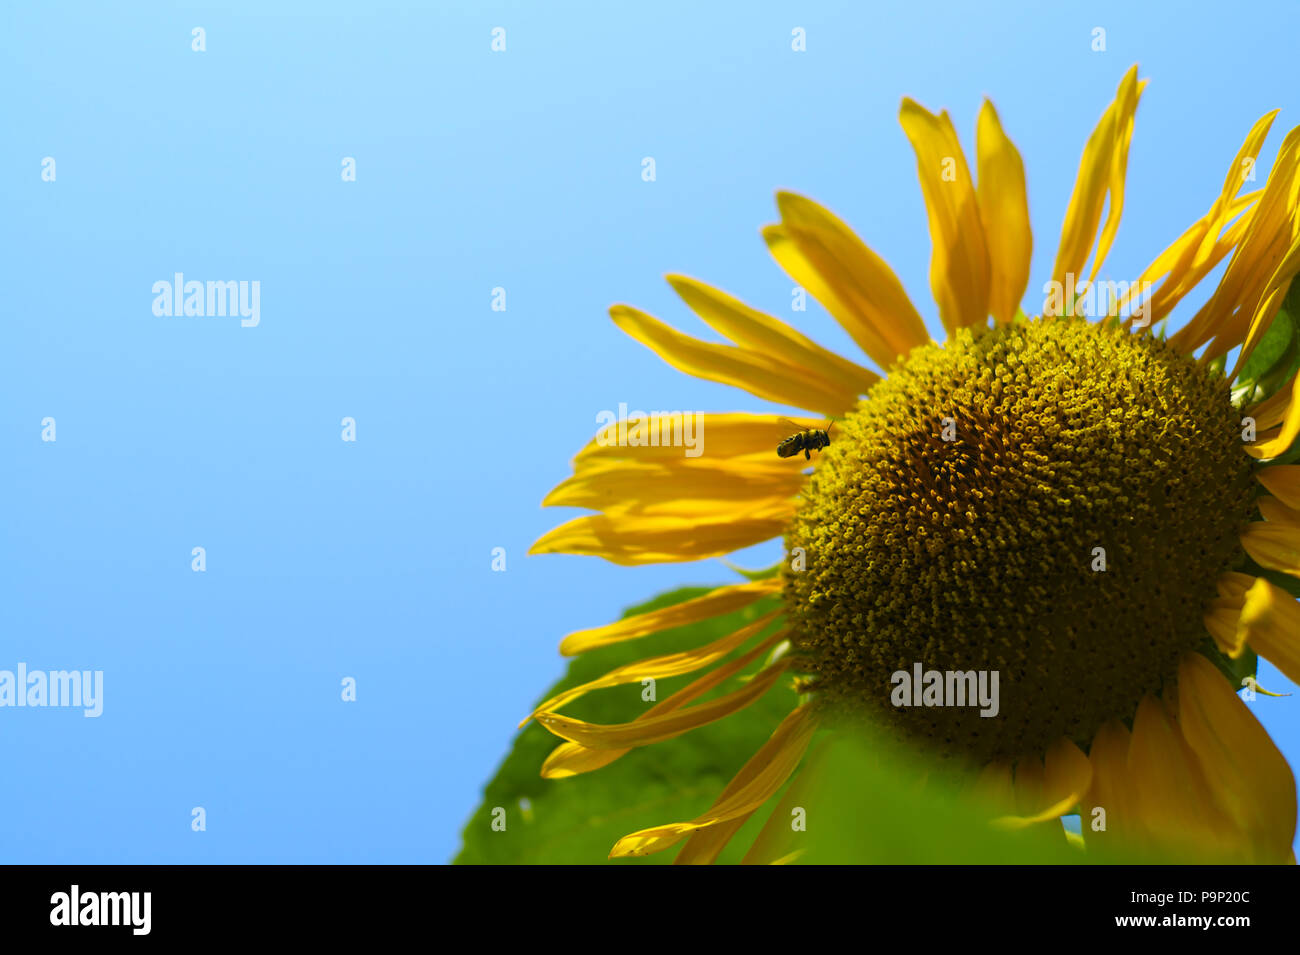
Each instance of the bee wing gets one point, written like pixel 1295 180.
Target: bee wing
pixel 790 427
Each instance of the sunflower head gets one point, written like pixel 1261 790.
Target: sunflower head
pixel 1053 500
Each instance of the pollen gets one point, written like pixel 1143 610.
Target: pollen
pixel 1052 500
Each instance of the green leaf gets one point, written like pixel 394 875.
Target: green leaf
pixel 1277 356
pixel 1270 348
pixel 873 802
pixel 578 819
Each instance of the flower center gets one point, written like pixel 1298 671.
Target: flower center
pixel 1051 500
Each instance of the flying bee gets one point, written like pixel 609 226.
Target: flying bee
pixel 805 440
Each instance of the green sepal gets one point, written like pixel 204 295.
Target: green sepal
pixel 765 573
pixel 1237 671
pixel 1288 583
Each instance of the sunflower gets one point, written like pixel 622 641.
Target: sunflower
pixel 1083 504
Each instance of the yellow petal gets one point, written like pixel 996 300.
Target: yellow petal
pixel 1272 410
pixel 1054 811
pixel 704 845
pixel 1270 623
pixel 1050 788
pixel 1234 585
pixel 1066 772
pixel 1249 778
pixel 1275 546
pixel 746 440
pixel 959 262
pixel 788 859
pixel 1258 266
pixel 759 374
pixel 1290 428
pixel 623 486
pixel 1270 302
pixel 1125 107
pixel 1238 174
pixel 1201 247
pixel 1220 620
pixel 660 667
pixel 1274 510
pixel 570 759
pixel 995 787
pixel 1283 482
pixel 1190 258
pixel 750 328
pixel 824 256
pixel 1030 786
pixel 1102 172
pixel 630 539
pixel 1171 801
pixel 766 772
pixel 1108 789
pixel 656 729
pixel 715 603
pixel 773 842
pixel 1004 211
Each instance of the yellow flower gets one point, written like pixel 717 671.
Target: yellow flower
pixel 1079 506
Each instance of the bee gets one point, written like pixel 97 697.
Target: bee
pixel 807 441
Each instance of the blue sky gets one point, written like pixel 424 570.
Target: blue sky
pixel 521 169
